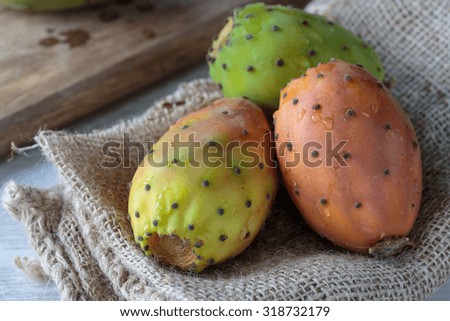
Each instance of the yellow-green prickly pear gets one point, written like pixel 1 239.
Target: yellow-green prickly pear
pixel 205 189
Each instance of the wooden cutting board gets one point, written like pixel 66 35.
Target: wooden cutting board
pixel 57 67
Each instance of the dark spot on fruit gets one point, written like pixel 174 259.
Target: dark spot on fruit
pixel 248 203
pixel 295 101
pixel 249 15
pixel 148 234
pixel 249 36
pixel 347 155
pixel 323 201
pixel 289 146
pixel 224 66
pixel 185 127
pixel 174 205
pixel 140 238
pixel 250 68
pixel 212 143
pixel 199 257
pixel 311 53
pixel 145 248
pixel 225 112
pixel 414 144
pixel 220 86
pixel 244 132
pixel 359 65
pixel 155 223
pixel 136 214
pixel 191 227
pixel 237 170
pixel 350 112
pixel 220 211
pixel 247 235
pixel 413 205
pixel 198 244
pixel 147 187
pixel 296 191
pixel 315 153
pixel 174 161
pixel 276 136
pixel 344 47
pixel 378 69
pixel 268 196
pixel 138 244
pixel 357 204
pixel 205 183
pixel 223 238
pixel 387 127
pixel 275 28
pixel 211 261
pixel 319 75
pixel 304 22
pixel 280 62
pixel 284 95
pixel 316 107
pixel 261 165
pixel 347 77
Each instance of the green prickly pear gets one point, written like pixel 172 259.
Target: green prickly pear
pixel 261 48
pixel 191 210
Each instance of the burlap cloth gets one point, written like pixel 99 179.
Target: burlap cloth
pixel 84 243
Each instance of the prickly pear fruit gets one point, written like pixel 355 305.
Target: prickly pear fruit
pixel 359 180
pixel 47 5
pixel 204 202
pixel 261 48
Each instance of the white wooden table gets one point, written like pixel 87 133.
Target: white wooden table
pixel 36 171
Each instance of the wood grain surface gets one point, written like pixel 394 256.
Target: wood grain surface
pixel 57 67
